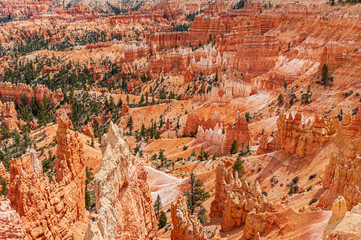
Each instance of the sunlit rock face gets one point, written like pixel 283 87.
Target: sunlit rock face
pixel 123 199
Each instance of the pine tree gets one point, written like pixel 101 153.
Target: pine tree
pixel 4 187
pixel 89 176
pixel 162 219
pixel 325 74
pixel 157 205
pixel 202 216
pixel 238 166
pixel 234 147
pixel 130 124
pixel 197 193
pixel 87 200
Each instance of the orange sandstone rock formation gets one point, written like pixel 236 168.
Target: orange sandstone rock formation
pixel 238 132
pixel 9 114
pixel 210 132
pixel 235 199
pixel 123 199
pixel 14 92
pixel 301 138
pixel 3 173
pixel 10 227
pixel 223 178
pixel 342 174
pixel 342 225
pixel 50 209
pixel 185 227
pixel 242 198
pixel 266 144
pixel 87 130
pixel 7 110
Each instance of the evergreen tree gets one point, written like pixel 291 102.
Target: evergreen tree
pixel 162 219
pixel 96 127
pixel 4 187
pixel 325 74
pixel 157 205
pixel 87 200
pixel 202 216
pixel 196 194
pixel 89 176
pixel 130 124
pixel 238 166
pixel 234 147
pixel 248 117
pixel 162 158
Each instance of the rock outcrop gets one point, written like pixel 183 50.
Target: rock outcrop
pixel 342 174
pixel 185 227
pixel 87 130
pixel 10 116
pixel 338 210
pixel 197 118
pixel 48 210
pixel 10 227
pixel 267 144
pixel 123 199
pixel 238 132
pixel 212 139
pixel 7 110
pixel 235 199
pixel 12 92
pixel 342 225
pixel 302 138
pixel 242 198
pixel 223 178
pixel 210 132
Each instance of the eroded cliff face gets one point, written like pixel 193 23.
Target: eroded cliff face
pixel 235 200
pixel 49 209
pixel 14 92
pixel 9 114
pixel 342 174
pixel 185 227
pixel 216 138
pixel 123 199
pixel 10 227
pixel 298 137
pixel 242 198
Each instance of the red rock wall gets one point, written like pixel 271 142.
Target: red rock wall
pixel 342 174
pixel 11 92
